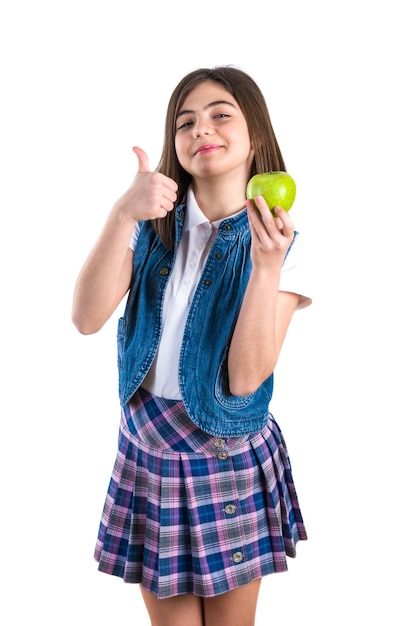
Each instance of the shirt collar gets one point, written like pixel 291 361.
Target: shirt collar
pixel 194 216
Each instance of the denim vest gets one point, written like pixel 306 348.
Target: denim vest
pixel 203 373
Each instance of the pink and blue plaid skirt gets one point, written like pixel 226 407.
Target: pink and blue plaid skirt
pixel 187 512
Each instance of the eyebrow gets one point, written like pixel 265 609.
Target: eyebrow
pixel 208 106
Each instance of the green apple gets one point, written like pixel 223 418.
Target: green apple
pixel 278 189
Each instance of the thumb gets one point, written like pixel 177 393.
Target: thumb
pixel 143 161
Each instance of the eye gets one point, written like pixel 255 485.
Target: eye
pixel 221 115
pixel 184 125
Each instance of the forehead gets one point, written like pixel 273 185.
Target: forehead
pixel 205 93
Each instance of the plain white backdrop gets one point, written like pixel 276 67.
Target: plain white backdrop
pixel 81 83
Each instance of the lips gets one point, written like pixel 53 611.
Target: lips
pixel 207 148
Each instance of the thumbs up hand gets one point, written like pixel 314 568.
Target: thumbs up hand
pixel 143 161
pixel 151 194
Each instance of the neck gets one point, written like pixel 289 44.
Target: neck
pixel 217 199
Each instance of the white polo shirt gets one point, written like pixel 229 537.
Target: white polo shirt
pixel 197 238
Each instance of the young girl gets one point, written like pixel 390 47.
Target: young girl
pixel 201 503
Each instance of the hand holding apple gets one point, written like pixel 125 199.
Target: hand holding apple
pixel 278 189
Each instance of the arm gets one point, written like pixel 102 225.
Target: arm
pixel 266 312
pixel 105 276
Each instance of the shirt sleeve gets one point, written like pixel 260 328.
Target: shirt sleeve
pixel 294 274
pixel 134 237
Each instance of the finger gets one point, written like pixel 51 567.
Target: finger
pixel 286 224
pixel 264 211
pixel 283 215
pixel 255 219
pixel 143 161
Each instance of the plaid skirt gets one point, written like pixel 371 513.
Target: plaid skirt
pixel 187 512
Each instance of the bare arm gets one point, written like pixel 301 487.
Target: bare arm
pixel 105 276
pixel 266 312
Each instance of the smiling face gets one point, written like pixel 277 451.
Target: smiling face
pixel 211 137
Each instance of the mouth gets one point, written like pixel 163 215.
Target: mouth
pixel 207 148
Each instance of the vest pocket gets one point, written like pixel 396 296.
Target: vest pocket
pixel 222 391
pixel 121 330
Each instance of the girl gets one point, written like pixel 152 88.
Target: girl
pixel 201 503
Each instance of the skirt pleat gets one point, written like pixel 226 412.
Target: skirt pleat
pixel 186 512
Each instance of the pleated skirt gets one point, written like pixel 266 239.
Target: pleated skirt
pixel 186 512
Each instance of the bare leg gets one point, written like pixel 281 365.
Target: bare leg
pixel 183 610
pixel 228 609
pixel 237 607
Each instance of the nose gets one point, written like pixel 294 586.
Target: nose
pixel 200 129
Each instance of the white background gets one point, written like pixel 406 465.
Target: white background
pixel 81 83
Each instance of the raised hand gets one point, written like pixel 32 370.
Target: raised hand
pixel 272 233
pixel 151 194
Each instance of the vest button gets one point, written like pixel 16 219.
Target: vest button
pixel 237 557
pixel 164 271
pixel 227 227
pixel 207 283
pixel 230 509
pixel 218 255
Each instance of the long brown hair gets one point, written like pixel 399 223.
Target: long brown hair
pixel 250 99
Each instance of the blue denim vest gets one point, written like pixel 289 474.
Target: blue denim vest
pixel 203 377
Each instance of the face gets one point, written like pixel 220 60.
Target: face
pixel 212 137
